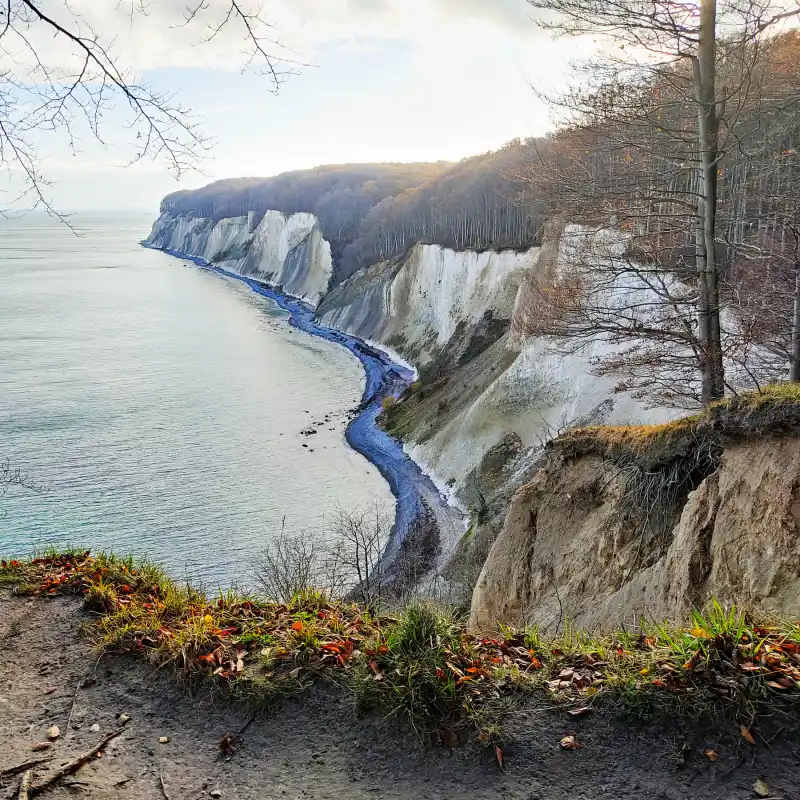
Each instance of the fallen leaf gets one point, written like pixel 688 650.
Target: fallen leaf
pixel 295 672
pixel 746 735
pixel 711 755
pixel 39 746
pixel 50 690
pixel 53 732
pixel 498 753
pixel 123 718
pixel 448 738
pixel 569 743
pixel 580 712
pixel 95 727
pixel 297 626
pixel 761 788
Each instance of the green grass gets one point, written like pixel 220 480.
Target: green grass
pixel 421 666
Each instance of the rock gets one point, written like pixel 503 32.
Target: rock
pixel 569 743
pixel 761 789
pixel 163 739
pixel 215 793
pixel 123 718
pixel 53 732
pixel 94 728
pixel 39 746
pixel 571 545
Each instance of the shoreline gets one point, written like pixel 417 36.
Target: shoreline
pixel 417 498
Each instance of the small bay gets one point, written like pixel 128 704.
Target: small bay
pixel 161 405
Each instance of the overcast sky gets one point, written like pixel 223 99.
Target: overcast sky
pixel 391 80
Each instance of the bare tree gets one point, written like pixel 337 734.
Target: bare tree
pixel 59 74
pixel 345 562
pixel 648 129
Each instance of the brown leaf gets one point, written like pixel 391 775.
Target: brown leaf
pixel 39 746
pixel 746 735
pixel 50 690
pixel 580 712
pixel 711 755
pixel 498 753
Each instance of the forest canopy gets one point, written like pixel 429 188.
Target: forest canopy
pixel 372 212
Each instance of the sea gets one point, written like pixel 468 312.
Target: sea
pixel 158 408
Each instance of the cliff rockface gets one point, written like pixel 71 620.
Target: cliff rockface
pixel 458 317
pixel 624 523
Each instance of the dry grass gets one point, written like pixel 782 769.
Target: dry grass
pixel 775 409
pixel 421 665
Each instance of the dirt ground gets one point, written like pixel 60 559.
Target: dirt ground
pixel 317 748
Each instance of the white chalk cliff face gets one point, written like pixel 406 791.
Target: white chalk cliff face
pixel 426 305
pixel 416 303
pixel 289 252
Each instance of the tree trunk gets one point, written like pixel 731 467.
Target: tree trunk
pixel 708 312
pixel 794 365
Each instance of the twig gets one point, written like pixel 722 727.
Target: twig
pixel 72 707
pixel 24 785
pixel 74 765
pixel 163 788
pixel 123 781
pixel 244 727
pixel 25 765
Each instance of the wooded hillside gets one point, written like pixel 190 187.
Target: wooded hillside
pixel 371 212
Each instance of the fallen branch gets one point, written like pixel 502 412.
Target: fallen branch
pixel 163 788
pixel 73 766
pixel 24 785
pixel 25 765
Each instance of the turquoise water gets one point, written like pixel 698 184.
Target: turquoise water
pixel 161 405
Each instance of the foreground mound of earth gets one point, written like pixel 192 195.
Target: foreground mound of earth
pixel 318 748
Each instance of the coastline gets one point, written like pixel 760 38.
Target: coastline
pixel 417 498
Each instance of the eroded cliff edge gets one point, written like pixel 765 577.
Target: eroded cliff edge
pixel 623 523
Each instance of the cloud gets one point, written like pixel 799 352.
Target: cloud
pixel 511 15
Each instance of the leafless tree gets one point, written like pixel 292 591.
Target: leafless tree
pixel 11 477
pixel 59 74
pixel 645 133
pixel 346 561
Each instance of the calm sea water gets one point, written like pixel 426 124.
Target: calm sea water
pixel 161 405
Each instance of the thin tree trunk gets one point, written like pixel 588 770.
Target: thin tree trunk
pixel 794 366
pixel 709 328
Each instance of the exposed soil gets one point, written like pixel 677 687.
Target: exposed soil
pixel 317 748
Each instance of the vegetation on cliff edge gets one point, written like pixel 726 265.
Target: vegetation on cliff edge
pixel 420 665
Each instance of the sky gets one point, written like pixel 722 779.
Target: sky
pixel 377 80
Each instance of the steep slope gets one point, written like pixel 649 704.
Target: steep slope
pixel 285 251
pixel 621 523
